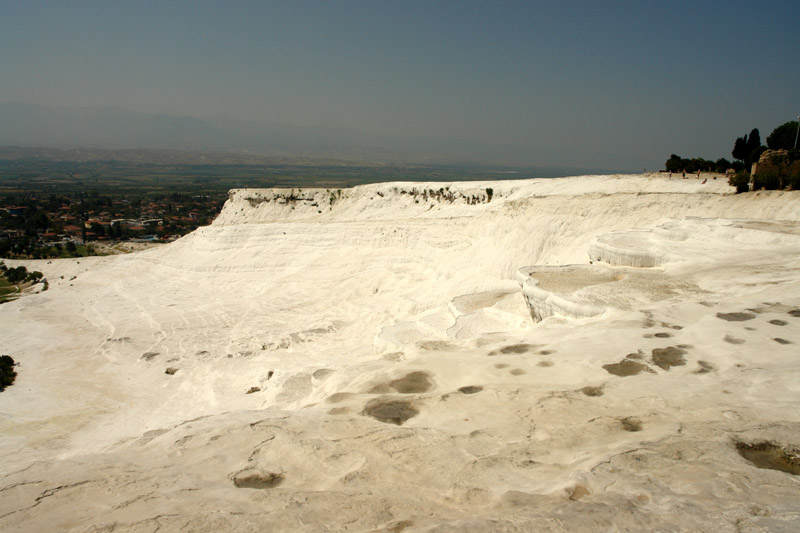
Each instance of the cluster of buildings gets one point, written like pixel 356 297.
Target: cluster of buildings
pixel 112 220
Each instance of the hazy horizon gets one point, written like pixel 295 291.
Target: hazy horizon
pixel 615 85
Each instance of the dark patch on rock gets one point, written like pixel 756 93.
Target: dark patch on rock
pixel 544 363
pixel 638 355
pixel 626 367
pixel 771 456
pixel 470 389
pixel 153 433
pixel 501 365
pixel 149 355
pixel 663 335
pixel 171 370
pixel 795 312
pixel 270 374
pixel 782 341
pixel 517 372
pixel 390 411
pixel 733 340
pixel 777 322
pixel 736 317
pixel 382 388
pixel 518 348
pixel 515 498
pixel 397 527
pixel 593 391
pixel 578 492
pixel 437 345
pixel 183 440
pixel 705 367
pixel 337 397
pixel 631 424
pixel 322 373
pixel 666 358
pixel 413 383
pixel 251 390
pixel 248 479
pixel 393 356
pixel 546 352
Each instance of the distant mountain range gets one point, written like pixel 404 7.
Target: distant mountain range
pixel 159 156
pixel 90 133
pixel 109 127
pixel 118 128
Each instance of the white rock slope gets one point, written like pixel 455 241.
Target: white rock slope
pixel 366 360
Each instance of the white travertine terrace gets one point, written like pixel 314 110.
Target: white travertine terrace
pixel 582 291
pixel 628 248
pixel 553 291
pixel 365 360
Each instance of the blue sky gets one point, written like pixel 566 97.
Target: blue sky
pixel 615 84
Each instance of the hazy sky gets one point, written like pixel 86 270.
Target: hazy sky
pixel 568 82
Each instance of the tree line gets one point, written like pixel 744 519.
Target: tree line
pixel 746 151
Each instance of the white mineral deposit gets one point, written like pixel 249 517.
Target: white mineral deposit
pixel 600 353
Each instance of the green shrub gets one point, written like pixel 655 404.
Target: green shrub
pixel 16 274
pixel 7 373
pixel 34 276
pixel 793 181
pixel 740 180
pixel 770 181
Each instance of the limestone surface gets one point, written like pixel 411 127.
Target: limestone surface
pixel 367 360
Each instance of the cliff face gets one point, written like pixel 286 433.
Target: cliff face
pixel 409 200
pixel 365 202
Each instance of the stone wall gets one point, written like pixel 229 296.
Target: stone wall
pixel 776 161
